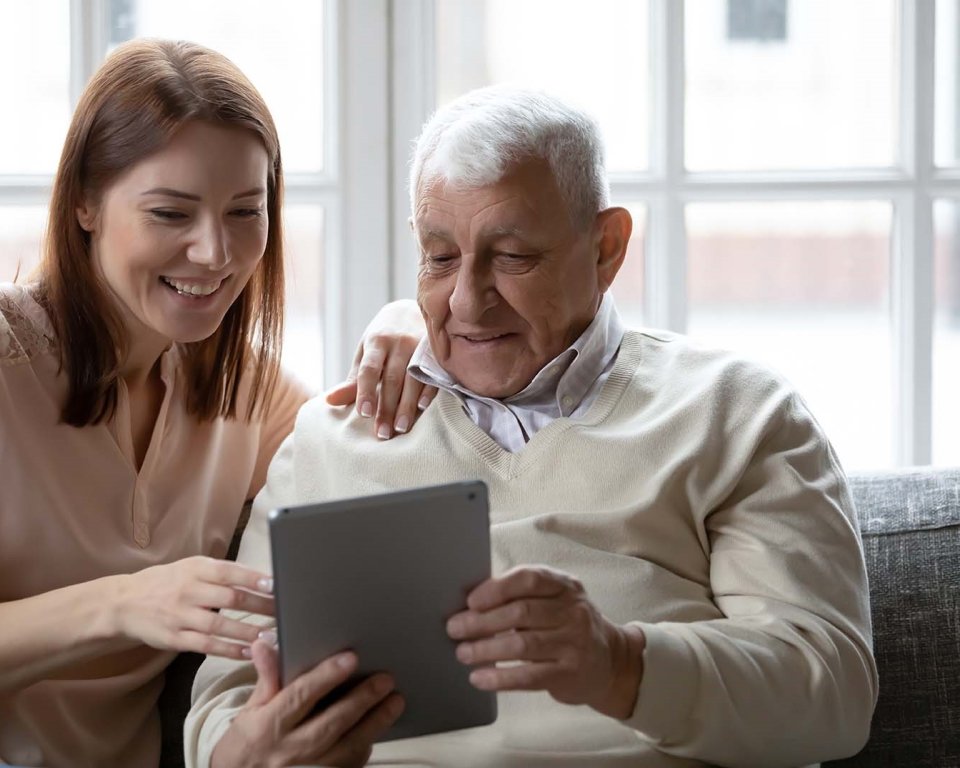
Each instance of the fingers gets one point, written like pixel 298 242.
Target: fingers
pixel 546 645
pixel 522 582
pixel 266 662
pixel 392 384
pixel 536 613
pixel 200 642
pixel 407 408
pixel 344 393
pixel 535 676
pixel 295 701
pixel 354 748
pixel 331 726
pixel 220 597
pixel 231 574
pixel 368 376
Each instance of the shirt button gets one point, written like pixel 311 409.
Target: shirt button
pixel 567 401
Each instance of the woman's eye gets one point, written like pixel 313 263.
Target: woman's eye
pixel 247 213
pixel 167 215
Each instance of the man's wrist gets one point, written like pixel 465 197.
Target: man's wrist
pixel 627 665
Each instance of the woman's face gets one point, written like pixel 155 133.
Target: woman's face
pixel 177 236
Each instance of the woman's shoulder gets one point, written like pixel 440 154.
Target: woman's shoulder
pixel 25 330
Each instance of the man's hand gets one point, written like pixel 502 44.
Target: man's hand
pixel 378 380
pixel 271 731
pixel 542 618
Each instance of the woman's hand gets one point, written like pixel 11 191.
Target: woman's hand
pixel 542 618
pixel 173 606
pixel 276 727
pixel 378 380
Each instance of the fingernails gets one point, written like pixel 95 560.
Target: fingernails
pixel 403 423
pixel 269 636
pixel 265 585
pixel 246 652
pixel 465 652
pixel 366 409
pixel 346 660
pixel 384 432
pixel 423 403
pixel 454 627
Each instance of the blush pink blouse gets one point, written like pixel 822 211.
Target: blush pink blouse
pixel 73 507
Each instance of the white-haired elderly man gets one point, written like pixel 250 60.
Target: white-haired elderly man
pixel 678 578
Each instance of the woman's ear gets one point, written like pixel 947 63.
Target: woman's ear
pixel 87 215
pixel 613 229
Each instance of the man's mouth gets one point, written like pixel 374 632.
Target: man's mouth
pixel 481 338
pixel 192 288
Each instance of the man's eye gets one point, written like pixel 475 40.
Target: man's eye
pixel 442 259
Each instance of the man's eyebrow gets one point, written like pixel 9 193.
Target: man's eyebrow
pixel 168 192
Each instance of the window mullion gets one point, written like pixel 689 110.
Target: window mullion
pixel 666 263
pixel 913 250
pixel 88 43
pixel 413 86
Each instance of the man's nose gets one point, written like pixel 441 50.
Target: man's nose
pixel 209 247
pixel 474 293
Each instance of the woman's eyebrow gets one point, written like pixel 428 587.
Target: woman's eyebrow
pixel 168 192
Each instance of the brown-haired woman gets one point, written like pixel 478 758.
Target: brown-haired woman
pixel 141 401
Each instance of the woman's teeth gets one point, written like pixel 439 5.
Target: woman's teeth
pixel 191 289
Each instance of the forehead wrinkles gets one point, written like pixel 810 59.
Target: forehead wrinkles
pixel 466 220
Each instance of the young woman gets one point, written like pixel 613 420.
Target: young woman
pixel 141 400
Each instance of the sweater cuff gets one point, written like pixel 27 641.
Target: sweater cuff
pixel 219 715
pixel 669 685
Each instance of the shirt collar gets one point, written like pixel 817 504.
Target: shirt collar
pixel 565 380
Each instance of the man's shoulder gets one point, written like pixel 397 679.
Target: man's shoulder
pixel 679 360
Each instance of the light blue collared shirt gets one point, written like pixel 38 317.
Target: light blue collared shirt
pixel 566 386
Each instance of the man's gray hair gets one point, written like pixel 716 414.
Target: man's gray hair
pixel 476 139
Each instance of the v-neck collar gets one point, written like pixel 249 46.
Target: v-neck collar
pixel 509 464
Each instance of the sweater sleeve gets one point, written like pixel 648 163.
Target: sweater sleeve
pixel 786 677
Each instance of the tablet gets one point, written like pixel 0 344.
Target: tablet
pixel 381 575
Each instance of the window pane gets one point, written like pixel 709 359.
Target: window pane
pixel 483 42
pixel 303 333
pixel 21 229
pixel 35 83
pixel 946 335
pixel 804 287
pixel 278 45
pixel 947 65
pixel 628 288
pixel 822 95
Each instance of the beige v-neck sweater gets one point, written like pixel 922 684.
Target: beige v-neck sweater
pixel 698 499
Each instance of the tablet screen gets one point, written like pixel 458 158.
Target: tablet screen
pixel 380 575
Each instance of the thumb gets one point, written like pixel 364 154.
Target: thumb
pixel 344 393
pixel 268 673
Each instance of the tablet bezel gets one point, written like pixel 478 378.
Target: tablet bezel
pixel 371 564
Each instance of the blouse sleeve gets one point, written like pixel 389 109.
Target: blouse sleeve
pixel 278 421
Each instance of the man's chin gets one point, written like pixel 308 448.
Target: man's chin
pixel 489 384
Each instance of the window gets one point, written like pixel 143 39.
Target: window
pixel 779 159
pixel 267 44
pixel 793 168
pixel 757 20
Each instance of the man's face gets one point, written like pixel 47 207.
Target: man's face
pixel 506 281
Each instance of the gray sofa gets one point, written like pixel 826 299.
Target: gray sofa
pixel 911 536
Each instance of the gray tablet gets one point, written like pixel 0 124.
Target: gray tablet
pixel 381 575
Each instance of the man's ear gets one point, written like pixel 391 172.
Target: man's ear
pixel 87 215
pixel 612 229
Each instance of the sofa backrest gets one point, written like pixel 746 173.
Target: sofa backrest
pixel 910 522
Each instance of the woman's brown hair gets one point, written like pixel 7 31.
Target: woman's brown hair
pixel 144 92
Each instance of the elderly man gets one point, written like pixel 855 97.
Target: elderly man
pixel 678 578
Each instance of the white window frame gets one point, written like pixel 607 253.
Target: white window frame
pixel 667 188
